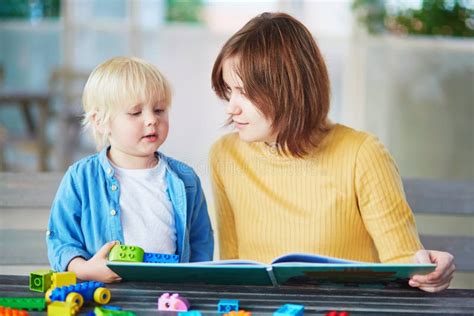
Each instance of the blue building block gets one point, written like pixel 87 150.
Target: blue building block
pixel 290 310
pixel 160 258
pixel 86 289
pixel 225 306
pixel 190 313
pixel 112 307
pixel 90 291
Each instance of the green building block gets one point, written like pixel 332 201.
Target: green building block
pixel 40 280
pixel 126 253
pixel 28 303
pixel 101 311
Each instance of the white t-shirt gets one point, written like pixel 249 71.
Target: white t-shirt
pixel 146 212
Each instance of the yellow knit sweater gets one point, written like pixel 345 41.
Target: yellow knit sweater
pixel 343 200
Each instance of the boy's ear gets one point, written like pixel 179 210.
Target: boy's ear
pixel 99 124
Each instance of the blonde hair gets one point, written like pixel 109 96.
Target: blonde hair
pixel 118 83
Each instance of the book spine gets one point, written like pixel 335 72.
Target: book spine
pixel 272 276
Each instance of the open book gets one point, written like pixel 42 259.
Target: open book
pixel 285 270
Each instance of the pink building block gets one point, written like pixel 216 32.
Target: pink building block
pixel 173 302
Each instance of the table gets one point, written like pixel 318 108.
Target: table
pixel 25 99
pixel 141 297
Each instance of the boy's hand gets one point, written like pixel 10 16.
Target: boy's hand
pixel 95 268
pixel 440 278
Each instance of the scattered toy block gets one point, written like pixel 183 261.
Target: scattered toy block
pixel 126 253
pixel 40 280
pixel 290 310
pixel 174 302
pixel 226 306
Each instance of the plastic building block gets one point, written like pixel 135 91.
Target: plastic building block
pixel 160 258
pixel 59 279
pixel 226 306
pixel 336 313
pixel 239 313
pixel 290 310
pixel 23 303
pixel 62 309
pixel 40 280
pixel 111 307
pixel 104 311
pixel 174 302
pixel 78 293
pixel 190 313
pixel 6 311
pixel 126 253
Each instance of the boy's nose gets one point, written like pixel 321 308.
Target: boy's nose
pixel 150 120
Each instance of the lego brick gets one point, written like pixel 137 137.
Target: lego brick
pixel 190 313
pixel 239 313
pixel 59 279
pixel 160 258
pixel 86 289
pixel 23 303
pixel 126 253
pixel 174 302
pixel 103 311
pixel 225 306
pixel 290 310
pixel 6 311
pixel 62 309
pixel 40 280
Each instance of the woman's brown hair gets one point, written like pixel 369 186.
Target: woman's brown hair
pixel 284 75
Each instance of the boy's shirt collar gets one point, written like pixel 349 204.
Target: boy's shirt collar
pixel 110 171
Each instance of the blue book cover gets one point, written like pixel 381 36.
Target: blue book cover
pixel 289 269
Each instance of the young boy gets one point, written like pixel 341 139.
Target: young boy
pixel 128 192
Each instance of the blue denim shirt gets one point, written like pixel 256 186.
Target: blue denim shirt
pixel 85 213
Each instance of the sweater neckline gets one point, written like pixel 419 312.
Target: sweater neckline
pixel 270 151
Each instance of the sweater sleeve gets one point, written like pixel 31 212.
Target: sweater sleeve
pixel 228 245
pixel 382 203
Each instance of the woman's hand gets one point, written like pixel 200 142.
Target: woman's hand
pixel 440 278
pixel 95 268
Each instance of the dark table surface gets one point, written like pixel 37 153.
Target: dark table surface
pixel 141 297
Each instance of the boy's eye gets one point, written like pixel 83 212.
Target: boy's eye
pixel 136 113
pixel 159 111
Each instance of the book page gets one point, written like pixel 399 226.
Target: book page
pixel 309 258
pixel 227 262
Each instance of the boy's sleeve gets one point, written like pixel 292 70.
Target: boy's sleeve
pixel 228 246
pixel 201 235
pixel 64 238
pixel 382 203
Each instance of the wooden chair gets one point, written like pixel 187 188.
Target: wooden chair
pixel 3 135
pixel 446 200
pixel 25 201
pixel 66 86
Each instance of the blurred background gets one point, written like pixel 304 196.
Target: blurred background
pixel 403 70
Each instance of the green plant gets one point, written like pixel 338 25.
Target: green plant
pixel 29 9
pixel 188 11
pixel 434 17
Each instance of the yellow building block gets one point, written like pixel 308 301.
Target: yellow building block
pixel 59 279
pixel 58 308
